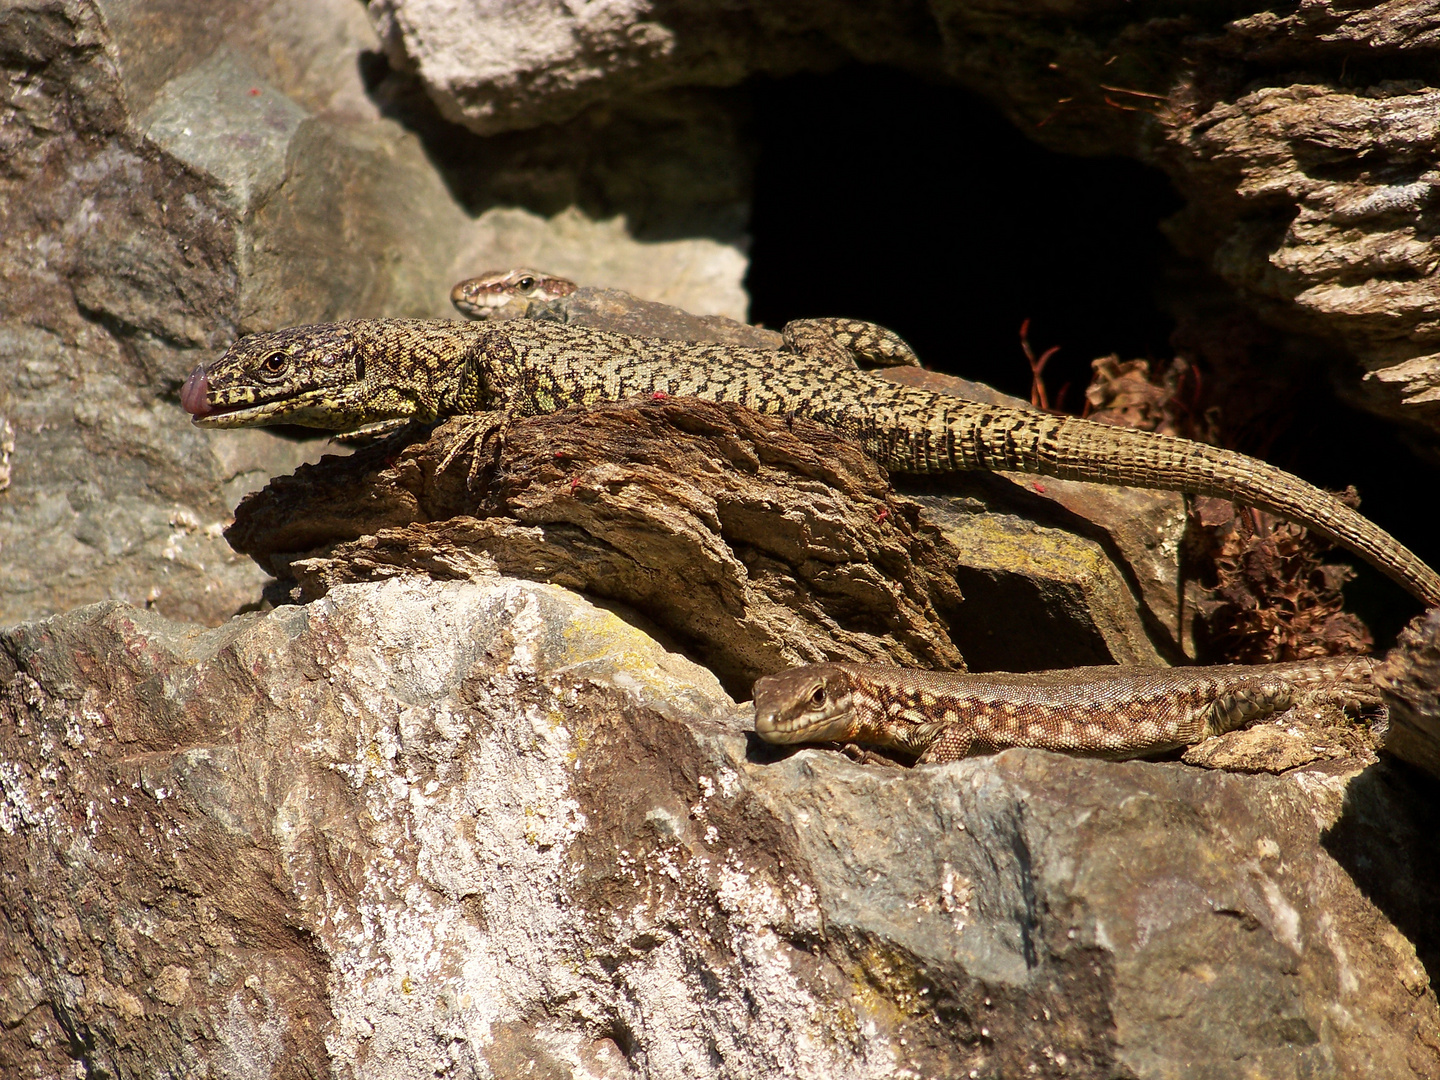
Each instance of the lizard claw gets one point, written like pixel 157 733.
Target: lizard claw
pixel 195 394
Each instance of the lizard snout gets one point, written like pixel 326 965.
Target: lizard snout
pixel 194 395
pixel 765 721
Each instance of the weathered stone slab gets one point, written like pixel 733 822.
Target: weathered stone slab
pixel 484 827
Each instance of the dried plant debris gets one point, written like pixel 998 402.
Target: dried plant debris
pixel 1266 593
pixel 1270 596
pixel 1165 399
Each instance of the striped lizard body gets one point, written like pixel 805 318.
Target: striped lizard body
pixel 344 376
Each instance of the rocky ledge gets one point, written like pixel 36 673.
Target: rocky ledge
pixel 486 828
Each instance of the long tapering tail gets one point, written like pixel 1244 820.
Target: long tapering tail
pixel 977 436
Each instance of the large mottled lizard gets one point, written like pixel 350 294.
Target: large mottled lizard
pixel 343 376
pixel 1109 712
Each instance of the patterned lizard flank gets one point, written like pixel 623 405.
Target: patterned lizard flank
pixel 1109 712
pixel 342 376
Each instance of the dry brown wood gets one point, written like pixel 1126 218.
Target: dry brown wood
pixel 751 542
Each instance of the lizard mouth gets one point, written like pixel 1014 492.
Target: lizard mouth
pixel 195 399
pixel 771 726
pixel 195 394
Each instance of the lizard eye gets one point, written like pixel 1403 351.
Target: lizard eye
pixel 527 283
pixel 275 363
pixel 818 697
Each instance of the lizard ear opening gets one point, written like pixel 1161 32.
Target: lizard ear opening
pixel 359 365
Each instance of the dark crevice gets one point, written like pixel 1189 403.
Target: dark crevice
pixel 882 197
pixel 920 207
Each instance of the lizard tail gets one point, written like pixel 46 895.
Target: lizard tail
pixel 1075 449
pixel 1160 461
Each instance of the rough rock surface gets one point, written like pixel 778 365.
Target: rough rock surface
pixel 483 828
pixel 753 544
pixel 497 67
pixel 1327 216
pixel 172 175
pixel 1409 678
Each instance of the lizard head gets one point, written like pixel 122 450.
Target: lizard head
pixel 298 375
pixel 507 294
pixel 337 376
pixel 805 704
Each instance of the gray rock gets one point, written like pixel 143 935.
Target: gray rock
pixel 484 828
pixel 494 68
pixel 175 175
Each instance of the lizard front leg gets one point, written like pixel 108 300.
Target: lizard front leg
pixel 473 433
pixel 949 742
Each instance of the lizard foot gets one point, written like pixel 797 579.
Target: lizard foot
pixel 471 434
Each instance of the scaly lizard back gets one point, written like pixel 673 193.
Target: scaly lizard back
pixel 342 376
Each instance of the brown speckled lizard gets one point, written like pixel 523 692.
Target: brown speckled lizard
pixel 1109 712
pixel 344 376
pixel 509 294
pixel 533 294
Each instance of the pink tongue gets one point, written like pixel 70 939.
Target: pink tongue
pixel 192 397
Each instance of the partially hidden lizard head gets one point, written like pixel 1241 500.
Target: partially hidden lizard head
pixel 805 704
pixel 337 376
pixel 508 294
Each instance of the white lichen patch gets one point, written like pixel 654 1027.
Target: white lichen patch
pixel 463 919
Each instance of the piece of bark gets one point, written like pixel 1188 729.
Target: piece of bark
pixel 1409 679
pixel 752 542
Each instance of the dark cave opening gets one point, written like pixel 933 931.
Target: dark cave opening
pixel 922 208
